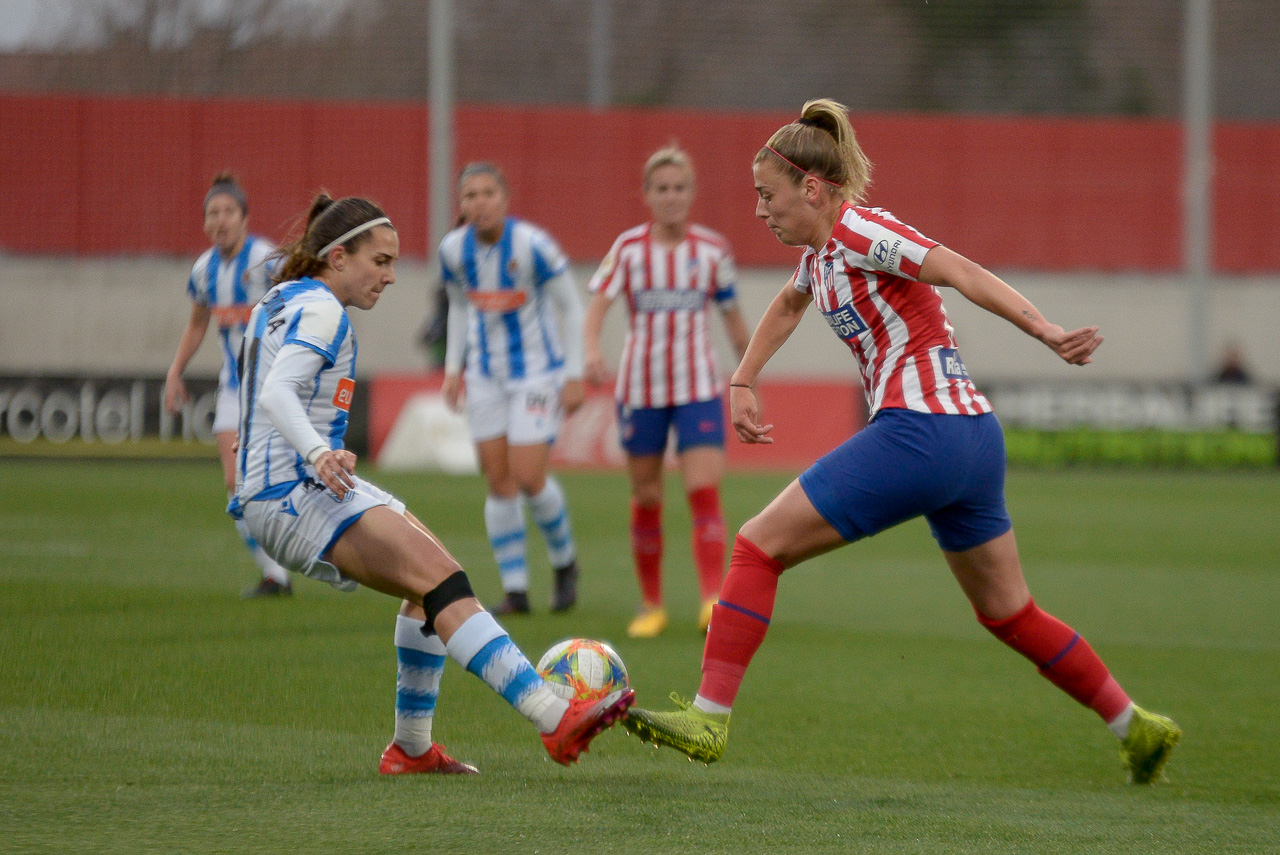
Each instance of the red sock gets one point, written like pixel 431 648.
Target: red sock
pixel 739 621
pixel 1062 656
pixel 708 540
pixel 646 549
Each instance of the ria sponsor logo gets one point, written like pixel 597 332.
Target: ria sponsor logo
pixel 949 358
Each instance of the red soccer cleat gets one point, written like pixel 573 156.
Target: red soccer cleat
pixel 583 722
pixel 435 761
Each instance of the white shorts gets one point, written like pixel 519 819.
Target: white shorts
pixel 226 413
pixel 526 412
pixel 298 529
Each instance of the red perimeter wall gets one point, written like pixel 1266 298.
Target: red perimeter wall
pixel 106 176
pixel 788 405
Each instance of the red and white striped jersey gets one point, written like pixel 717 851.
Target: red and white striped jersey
pixel 864 282
pixel 668 358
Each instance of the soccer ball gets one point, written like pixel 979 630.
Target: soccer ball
pixel 583 668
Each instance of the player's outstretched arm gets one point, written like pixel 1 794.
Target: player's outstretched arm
pixel 777 325
pixel 983 288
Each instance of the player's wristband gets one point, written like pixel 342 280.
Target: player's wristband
pixel 314 454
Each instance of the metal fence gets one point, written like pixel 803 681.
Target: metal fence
pixel 1061 57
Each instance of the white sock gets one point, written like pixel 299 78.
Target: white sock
pixel 552 516
pixel 420 659
pixel 707 706
pixel 504 523
pixel 483 647
pixel 1120 724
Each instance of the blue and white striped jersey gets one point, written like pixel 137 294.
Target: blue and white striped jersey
pixel 299 314
pixel 230 289
pixel 512 331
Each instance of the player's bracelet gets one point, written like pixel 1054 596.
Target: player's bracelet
pixel 741 385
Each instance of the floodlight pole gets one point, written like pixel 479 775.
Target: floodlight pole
pixel 1197 185
pixel 440 123
pixel 601 50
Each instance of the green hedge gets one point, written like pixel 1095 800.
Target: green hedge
pixel 1228 449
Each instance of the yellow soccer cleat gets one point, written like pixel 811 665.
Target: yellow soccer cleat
pixel 650 623
pixel 1147 747
pixel 704 615
pixel 699 735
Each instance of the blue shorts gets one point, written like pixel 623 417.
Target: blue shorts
pixel 905 464
pixel 643 430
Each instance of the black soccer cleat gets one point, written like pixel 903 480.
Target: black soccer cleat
pixel 565 594
pixel 514 603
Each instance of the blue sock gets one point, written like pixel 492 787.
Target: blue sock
pixel 504 523
pixel 552 516
pixel 483 647
pixel 421 665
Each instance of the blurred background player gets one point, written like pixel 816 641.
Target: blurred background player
pixel 506 280
pixel 669 271
pixel 226 281
pixel 932 448
pixel 297 491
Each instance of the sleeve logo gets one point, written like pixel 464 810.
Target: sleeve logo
pixel 886 255
pixel 344 393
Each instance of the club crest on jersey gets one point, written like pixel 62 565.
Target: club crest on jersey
pixel 345 392
pixel 846 322
pixel 829 274
pixel 949 358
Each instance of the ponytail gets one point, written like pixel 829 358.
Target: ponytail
pixel 821 143
pixel 328 220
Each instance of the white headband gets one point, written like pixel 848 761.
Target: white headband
pixel 363 227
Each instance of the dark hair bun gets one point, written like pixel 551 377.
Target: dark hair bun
pixel 318 206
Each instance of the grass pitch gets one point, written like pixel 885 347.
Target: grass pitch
pixel 144 707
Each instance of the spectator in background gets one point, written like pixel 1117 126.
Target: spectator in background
pixel 669 271
pixel 1232 369
pixel 507 280
pixel 225 283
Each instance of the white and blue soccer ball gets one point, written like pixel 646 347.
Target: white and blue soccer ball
pixel 583 668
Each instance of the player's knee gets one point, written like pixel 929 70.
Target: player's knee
pixel 761 535
pixel 648 494
pixel 451 589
